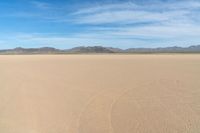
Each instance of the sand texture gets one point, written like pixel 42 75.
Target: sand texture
pixel 100 93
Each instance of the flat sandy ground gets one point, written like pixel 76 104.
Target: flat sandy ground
pixel 100 94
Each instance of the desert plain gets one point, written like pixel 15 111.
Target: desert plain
pixel 100 93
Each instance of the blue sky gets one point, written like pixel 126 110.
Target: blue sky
pixel 112 23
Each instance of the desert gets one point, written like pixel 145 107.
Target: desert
pixel 100 93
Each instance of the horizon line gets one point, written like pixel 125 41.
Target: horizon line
pixel 89 46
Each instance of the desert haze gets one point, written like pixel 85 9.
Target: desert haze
pixel 100 93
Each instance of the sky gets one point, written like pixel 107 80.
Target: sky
pixel 112 23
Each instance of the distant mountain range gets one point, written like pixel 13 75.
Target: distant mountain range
pixel 100 49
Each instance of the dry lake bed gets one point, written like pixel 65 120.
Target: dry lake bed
pixel 100 93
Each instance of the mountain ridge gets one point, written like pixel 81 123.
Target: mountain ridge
pixel 100 49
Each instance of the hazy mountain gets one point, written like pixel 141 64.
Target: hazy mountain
pixel 100 49
pixel 94 49
pixel 19 50
pixel 175 49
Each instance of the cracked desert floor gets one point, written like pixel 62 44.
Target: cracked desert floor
pixel 100 93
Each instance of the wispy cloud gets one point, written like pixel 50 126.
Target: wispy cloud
pixel 122 39
pixel 41 5
pixel 65 41
pixel 128 17
pixel 157 20
pixel 129 23
pixel 132 13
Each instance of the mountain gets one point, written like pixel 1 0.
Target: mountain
pixel 100 49
pixel 175 49
pixel 94 49
pixel 19 50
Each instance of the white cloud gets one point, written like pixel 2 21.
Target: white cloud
pixel 132 13
pixel 159 23
pixel 159 20
pixel 105 7
pixel 153 6
pixel 123 38
pixel 41 5
pixel 162 32
pixel 128 17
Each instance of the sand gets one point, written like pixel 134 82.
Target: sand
pixel 100 93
